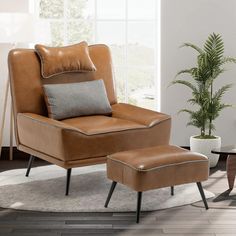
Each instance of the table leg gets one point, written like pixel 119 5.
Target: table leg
pixel 231 170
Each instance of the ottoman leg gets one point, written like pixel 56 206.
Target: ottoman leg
pixel 172 190
pixel 68 175
pixel 139 201
pixel 31 160
pixel 113 185
pixel 202 194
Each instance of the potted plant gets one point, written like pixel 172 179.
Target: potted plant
pixel 206 100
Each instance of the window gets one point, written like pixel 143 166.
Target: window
pixel 129 27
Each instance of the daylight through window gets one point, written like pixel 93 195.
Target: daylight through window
pixel 129 27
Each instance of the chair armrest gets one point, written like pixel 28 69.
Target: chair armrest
pixel 42 134
pixel 138 114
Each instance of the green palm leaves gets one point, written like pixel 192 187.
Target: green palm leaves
pixel 208 103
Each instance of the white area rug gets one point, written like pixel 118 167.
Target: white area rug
pixel 44 190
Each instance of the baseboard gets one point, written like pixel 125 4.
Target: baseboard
pixel 16 154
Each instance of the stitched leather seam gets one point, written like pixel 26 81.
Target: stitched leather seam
pixel 43 153
pixel 111 132
pixel 48 124
pixel 64 162
pixel 72 129
pixel 159 167
pixel 63 72
pixel 122 130
pixel 153 123
pixel 147 126
pixel 158 122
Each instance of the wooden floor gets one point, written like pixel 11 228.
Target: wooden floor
pixel 186 220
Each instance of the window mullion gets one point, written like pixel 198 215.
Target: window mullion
pixel 95 21
pixel 158 55
pixel 155 68
pixel 126 53
pixel 156 61
pixel 65 22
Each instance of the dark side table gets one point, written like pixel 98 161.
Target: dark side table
pixel 230 151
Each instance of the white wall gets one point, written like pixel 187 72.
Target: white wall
pixel 7 6
pixel 192 21
pixel 14 5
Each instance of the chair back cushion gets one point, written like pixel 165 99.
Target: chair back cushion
pixel 27 83
pixel 58 60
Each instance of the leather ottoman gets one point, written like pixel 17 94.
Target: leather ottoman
pixel 156 167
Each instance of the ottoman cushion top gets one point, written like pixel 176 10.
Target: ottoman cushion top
pixel 157 167
pixel 147 159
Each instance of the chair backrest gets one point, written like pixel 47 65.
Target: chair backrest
pixel 26 80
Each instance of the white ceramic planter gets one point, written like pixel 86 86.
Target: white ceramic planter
pixel 204 146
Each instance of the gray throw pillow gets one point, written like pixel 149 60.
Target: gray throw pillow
pixel 76 99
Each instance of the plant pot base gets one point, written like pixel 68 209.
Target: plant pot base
pixel 204 146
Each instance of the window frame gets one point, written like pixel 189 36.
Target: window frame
pixel 156 67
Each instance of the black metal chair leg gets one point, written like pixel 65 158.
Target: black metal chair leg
pixel 113 185
pixel 68 175
pixel 202 195
pixel 139 201
pixel 172 190
pixel 31 160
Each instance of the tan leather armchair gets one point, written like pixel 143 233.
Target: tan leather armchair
pixel 77 141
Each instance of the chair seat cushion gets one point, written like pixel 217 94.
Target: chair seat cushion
pixel 137 114
pixel 156 167
pixel 92 125
pixel 156 157
pixel 123 117
pixel 74 140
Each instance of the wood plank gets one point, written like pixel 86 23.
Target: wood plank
pixel 186 220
